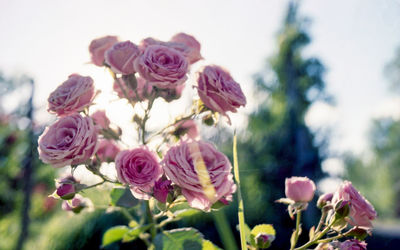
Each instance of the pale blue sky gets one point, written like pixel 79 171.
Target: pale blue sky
pixel 355 39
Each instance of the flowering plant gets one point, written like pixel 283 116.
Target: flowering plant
pixel 171 173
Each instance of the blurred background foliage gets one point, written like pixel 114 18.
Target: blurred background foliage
pixel 276 144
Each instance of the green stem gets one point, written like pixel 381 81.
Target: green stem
pixel 297 232
pixel 224 230
pixel 321 221
pixel 126 213
pixel 150 218
pixel 312 242
pixel 239 194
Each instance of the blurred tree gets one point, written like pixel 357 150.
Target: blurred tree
pixel 278 144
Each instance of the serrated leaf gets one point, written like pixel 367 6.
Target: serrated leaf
pixel 208 245
pixel 182 239
pixel 114 234
pixel 135 232
pixel 122 197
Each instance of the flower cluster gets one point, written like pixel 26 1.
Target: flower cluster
pixel 344 208
pixel 183 166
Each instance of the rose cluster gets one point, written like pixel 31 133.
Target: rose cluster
pixel 152 69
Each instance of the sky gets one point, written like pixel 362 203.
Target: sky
pixel 49 40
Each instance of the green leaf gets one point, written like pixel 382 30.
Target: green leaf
pixel 114 234
pixel 182 239
pixel 135 232
pixel 217 205
pixel 122 197
pixel 208 245
pixel 186 212
pixel 311 234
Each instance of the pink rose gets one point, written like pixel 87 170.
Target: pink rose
pixel 98 47
pixel 219 91
pixel 139 168
pixel 324 199
pixel 161 190
pixel 71 140
pixel 99 117
pixel 143 89
pixel 193 54
pixel 201 171
pixel 107 151
pixel 361 211
pixel 299 189
pixel 76 204
pixel 162 66
pixel 73 95
pixel 120 57
pixel 353 244
pixel 187 127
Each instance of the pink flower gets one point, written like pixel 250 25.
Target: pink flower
pixel 107 151
pixel 299 189
pixel 120 57
pixel 141 93
pixel 73 95
pixel 76 204
pixel 139 168
pixel 353 244
pixel 161 190
pixel 98 47
pixel 219 91
pixel 187 127
pixel 162 66
pixel 193 53
pixel 71 140
pixel 324 199
pixel 99 117
pixel 201 171
pixel 66 188
pixel 361 211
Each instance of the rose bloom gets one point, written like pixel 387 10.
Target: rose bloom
pixel 193 55
pixel 361 211
pixel 73 95
pixel 353 244
pixel 201 171
pixel 219 91
pixel 107 151
pixel 99 117
pixel 299 189
pixel 140 169
pixel 163 67
pixel 66 187
pixel 71 140
pixel 98 47
pixel 161 190
pixel 187 127
pixel 143 89
pixel 120 57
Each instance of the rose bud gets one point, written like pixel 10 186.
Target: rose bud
pixel 120 57
pixel 98 47
pixel 299 189
pixel 187 127
pixel 353 244
pixel 218 91
pixel 76 204
pixel 202 173
pixel 71 140
pixel 263 240
pixel 66 188
pixel 73 95
pixel 193 54
pixel 163 67
pixel 143 89
pixel 324 199
pixel 361 211
pixel 107 151
pixel 140 169
pixel 161 190
pixel 99 117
